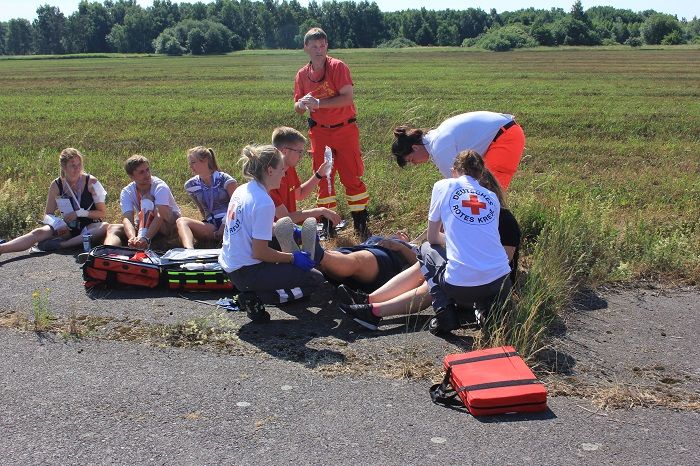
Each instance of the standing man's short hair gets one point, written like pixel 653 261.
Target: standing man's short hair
pixel 315 34
pixel 284 135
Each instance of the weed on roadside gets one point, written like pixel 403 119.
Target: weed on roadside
pixel 43 317
pixel 216 329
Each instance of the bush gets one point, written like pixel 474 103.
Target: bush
pixel 167 44
pixel 470 41
pixel 398 43
pixel 634 42
pixel 658 26
pixel 196 41
pixel 673 38
pixel 509 37
pixel 609 41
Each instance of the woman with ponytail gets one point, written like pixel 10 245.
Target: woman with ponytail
pixel 80 200
pixel 262 275
pixel 211 190
pixel 463 260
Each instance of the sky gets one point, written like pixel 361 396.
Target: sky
pixel 681 8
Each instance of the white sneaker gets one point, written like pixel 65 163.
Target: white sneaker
pixel 309 236
pixel 284 232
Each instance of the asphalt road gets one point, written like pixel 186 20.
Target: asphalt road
pixel 99 401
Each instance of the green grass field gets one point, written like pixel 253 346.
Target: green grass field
pixel 613 140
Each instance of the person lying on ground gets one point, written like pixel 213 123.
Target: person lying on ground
pixel 495 136
pixel 148 208
pixel 263 275
pixel 408 293
pixel 79 197
pixel 291 143
pixel 366 266
pixel 211 190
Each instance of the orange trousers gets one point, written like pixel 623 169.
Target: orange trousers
pixel 503 155
pixel 347 162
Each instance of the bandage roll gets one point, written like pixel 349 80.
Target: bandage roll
pixel 147 204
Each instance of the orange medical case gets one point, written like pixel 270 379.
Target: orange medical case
pixel 490 381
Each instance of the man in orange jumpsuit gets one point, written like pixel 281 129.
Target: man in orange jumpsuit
pixel 324 87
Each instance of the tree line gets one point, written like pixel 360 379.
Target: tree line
pixel 228 25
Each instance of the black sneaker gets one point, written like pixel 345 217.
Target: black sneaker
pixel 349 296
pixel 445 320
pixel 362 314
pixel 359 221
pixel 327 229
pixel 249 302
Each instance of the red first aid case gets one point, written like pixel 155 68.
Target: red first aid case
pixel 114 267
pixel 490 381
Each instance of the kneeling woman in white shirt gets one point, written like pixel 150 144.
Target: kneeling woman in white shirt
pixel 262 274
pixel 466 263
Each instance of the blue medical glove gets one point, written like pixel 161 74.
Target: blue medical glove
pixel 297 234
pixel 303 261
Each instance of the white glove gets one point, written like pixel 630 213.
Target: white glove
pixel 310 102
pixel 82 213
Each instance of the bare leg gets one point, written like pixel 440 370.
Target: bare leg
pixel 409 302
pixel 188 229
pixel 115 235
pixel 24 242
pixel 360 265
pixel 97 230
pixel 407 280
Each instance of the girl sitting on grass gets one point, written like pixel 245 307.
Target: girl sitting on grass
pixel 211 190
pixel 81 200
pixel 262 274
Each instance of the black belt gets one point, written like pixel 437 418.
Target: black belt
pixel 503 129
pixel 312 123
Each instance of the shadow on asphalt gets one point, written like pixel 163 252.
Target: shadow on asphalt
pixel 546 415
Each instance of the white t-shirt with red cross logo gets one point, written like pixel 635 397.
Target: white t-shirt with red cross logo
pixel 469 214
pixel 250 215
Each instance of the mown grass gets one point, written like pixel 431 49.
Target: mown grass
pixel 609 189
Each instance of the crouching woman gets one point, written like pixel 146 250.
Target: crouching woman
pixel 262 275
pixel 467 262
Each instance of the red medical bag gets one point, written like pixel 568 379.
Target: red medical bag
pixel 490 381
pixel 115 267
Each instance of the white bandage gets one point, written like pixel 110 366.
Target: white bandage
pixel 82 213
pixel 100 192
pixel 147 205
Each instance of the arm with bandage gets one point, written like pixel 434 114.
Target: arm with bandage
pixel 99 195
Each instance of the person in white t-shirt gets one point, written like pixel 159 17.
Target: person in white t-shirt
pixel 261 274
pixel 495 136
pixel 148 207
pixel 211 190
pixel 467 262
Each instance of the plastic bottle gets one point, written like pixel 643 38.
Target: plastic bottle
pixel 86 242
pixel 328 158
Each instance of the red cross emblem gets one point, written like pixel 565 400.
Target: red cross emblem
pixel 474 204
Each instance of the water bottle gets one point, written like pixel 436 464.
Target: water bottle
pixel 86 242
pixel 328 157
